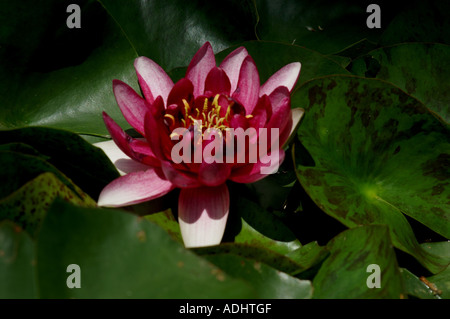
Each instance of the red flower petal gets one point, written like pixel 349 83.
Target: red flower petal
pixel 202 215
pixel 199 67
pixel 213 174
pixel 217 82
pixel 179 178
pixel 247 90
pixel 261 113
pixel 286 76
pixel 157 135
pixel 153 80
pixel 134 148
pixel 134 188
pixel 254 172
pixel 183 89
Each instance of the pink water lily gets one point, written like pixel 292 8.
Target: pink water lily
pixel 225 97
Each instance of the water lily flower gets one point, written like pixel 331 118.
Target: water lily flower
pixel 224 97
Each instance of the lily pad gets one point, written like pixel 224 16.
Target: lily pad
pixel 28 205
pixel 171 32
pixel 377 153
pixel 420 69
pixel 57 76
pixel 139 261
pixel 357 257
pixel 270 283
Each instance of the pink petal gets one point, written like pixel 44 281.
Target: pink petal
pixel 213 174
pixel 253 172
pixel 121 161
pixel 199 67
pixel 134 188
pixel 232 65
pixel 153 80
pixel 281 108
pixel 133 107
pixel 134 148
pixel 202 215
pixel 217 82
pixel 247 90
pixel 286 76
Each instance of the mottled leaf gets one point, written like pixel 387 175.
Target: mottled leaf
pixel 420 69
pixel 346 274
pixel 378 153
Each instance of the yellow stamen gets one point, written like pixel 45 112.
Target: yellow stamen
pixel 205 105
pixel 187 107
pixel 170 116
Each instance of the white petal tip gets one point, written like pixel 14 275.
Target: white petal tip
pixel 202 215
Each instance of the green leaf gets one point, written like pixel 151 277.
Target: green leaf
pixel 419 69
pixel 440 283
pixel 263 229
pixel 20 168
pixel 85 164
pixel 270 283
pixel 345 273
pixel 378 153
pixel 309 255
pixel 123 256
pixel 416 287
pixel 17 263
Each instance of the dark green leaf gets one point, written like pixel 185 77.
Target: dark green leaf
pixel 270 57
pixel 57 76
pixel 270 283
pixel 419 69
pixel 416 287
pixel 325 26
pixel 85 164
pixel 17 263
pixel 420 21
pixel 123 256
pixel 170 32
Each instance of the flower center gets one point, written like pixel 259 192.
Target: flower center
pixel 209 113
